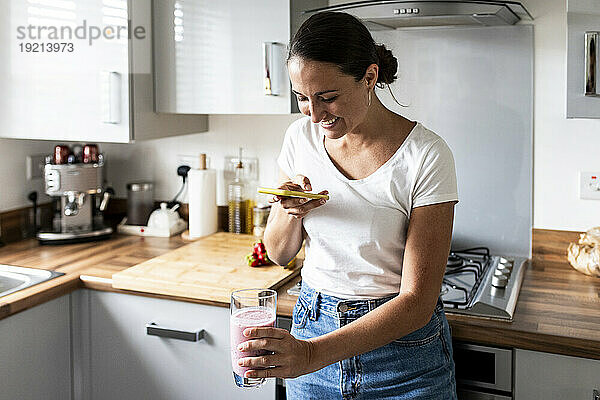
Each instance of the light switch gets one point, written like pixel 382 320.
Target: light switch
pixel 589 185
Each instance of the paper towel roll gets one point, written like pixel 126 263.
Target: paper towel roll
pixel 202 200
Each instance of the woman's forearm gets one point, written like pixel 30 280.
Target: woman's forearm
pixel 396 318
pixel 283 235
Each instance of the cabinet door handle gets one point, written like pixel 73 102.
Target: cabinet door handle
pixel 191 336
pixel 591 63
pixel 111 104
pixel 272 56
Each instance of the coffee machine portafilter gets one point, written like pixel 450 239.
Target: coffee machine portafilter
pixel 77 187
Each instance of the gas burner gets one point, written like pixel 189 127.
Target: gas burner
pixel 453 261
pixel 472 253
pixel 464 272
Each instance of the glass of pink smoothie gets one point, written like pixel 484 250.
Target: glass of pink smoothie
pixel 249 307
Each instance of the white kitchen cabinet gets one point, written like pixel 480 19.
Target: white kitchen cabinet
pixel 35 358
pixel 212 55
pixel 551 376
pixel 124 362
pixel 87 88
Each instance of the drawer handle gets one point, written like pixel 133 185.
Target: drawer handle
pixel 156 330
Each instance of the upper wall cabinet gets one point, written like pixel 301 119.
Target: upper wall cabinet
pixel 225 57
pixel 583 59
pixel 81 70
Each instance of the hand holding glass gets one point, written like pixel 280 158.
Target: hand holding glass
pixel 249 307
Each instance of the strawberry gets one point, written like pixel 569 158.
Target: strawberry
pixel 258 256
pixel 259 247
pixel 251 259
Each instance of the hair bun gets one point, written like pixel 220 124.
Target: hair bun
pixel 388 65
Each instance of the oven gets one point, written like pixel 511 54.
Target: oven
pixel 482 372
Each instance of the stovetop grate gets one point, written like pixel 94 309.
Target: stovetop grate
pixel 474 261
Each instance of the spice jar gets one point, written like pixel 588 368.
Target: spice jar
pixel 140 202
pixel 260 214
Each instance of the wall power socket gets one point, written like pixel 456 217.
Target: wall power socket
pixel 35 166
pixel 589 185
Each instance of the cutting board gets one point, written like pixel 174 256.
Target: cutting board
pixel 208 269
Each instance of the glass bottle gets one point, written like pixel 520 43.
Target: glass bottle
pixel 240 205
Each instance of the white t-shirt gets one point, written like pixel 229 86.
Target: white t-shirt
pixel 355 242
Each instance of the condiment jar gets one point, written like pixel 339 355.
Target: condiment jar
pixel 260 213
pixel 140 202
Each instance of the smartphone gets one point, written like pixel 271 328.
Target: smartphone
pixel 292 193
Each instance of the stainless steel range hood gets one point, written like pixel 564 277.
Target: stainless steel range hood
pixel 390 14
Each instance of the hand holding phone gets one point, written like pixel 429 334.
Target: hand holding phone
pixel 292 193
pixel 294 198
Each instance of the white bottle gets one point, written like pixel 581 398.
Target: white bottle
pixel 202 200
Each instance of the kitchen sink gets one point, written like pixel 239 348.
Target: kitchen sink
pixel 13 278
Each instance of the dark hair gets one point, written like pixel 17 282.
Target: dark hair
pixel 342 39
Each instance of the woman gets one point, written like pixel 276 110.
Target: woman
pixel 368 323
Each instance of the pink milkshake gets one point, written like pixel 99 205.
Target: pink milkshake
pixel 240 320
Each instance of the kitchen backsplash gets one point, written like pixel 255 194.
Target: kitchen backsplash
pixel 476 92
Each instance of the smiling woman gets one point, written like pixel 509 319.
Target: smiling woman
pixel 369 323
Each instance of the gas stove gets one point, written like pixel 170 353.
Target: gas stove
pixel 483 285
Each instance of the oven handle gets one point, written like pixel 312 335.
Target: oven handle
pixel 479 395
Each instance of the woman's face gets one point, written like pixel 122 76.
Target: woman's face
pixel 334 100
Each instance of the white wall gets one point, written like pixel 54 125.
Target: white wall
pixel 14 186
pixel 562 147
pixel 157 160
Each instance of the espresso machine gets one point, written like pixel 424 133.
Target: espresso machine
pixel 80 199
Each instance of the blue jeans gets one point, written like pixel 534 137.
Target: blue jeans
pixel 416 366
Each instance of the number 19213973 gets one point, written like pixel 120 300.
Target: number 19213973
pixel 57 47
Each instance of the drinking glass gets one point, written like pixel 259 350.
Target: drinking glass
pixel 249 307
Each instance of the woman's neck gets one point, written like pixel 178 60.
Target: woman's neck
pixel 380 125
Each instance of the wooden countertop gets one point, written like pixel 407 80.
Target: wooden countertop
pixel 98 260
pixel 558 309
